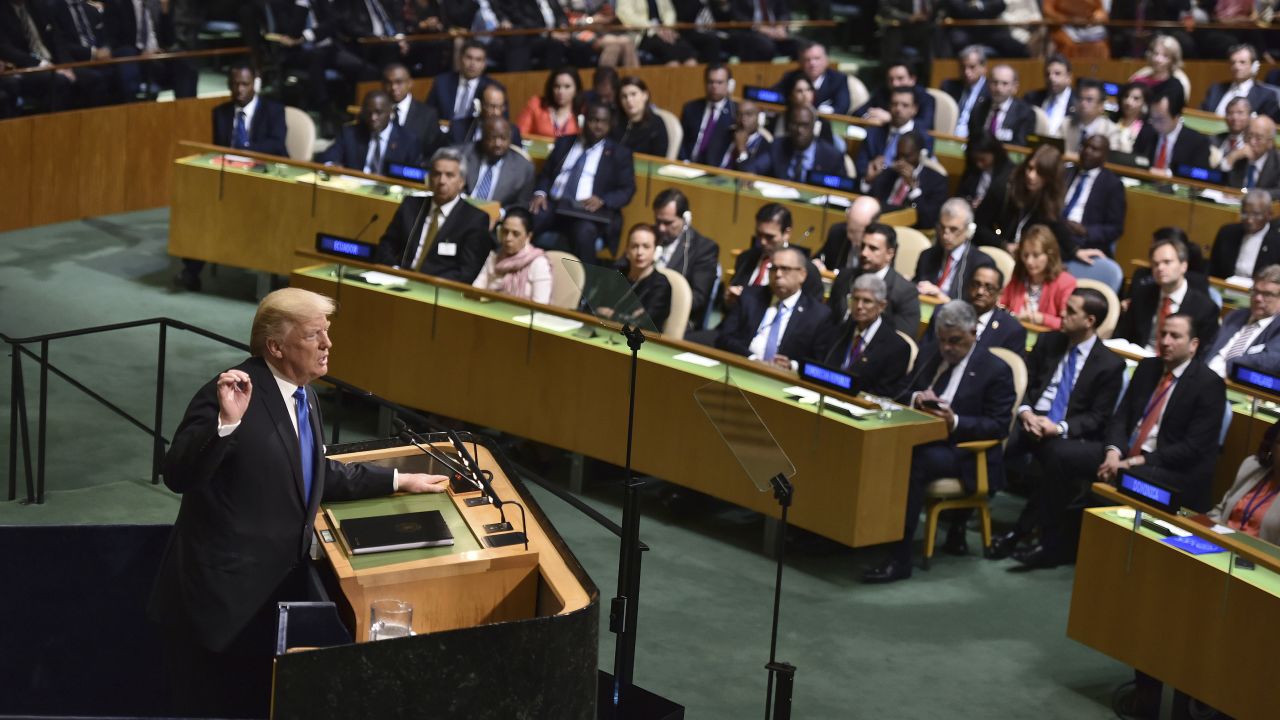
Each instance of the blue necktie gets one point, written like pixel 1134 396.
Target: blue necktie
pixel 241 139
pixel 775 333
pixel 570 189
pixel 306 440
pixel 797 166
pixel 1075 194
pixel 1251 177
pixel 891 147
pixel 486 180
pixel 1058 409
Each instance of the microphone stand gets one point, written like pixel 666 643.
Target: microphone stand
pixel 779 706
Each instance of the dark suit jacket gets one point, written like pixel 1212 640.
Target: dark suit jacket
pixel 955 87
pixel 743 10
pixel 291 19
pixel 1036 98
pixel 515 183
pixel 467 226
pixel 1138 322
pixel 525 13
pixel 1003 331
pixel 1187 446
pixel 615 181
pixel 902 310
pixel 926 106
pixel 1226 249
pixel 356 22
pixel 267 129
pixel 1268 179
pixel 1267 359
pixel 697 257
pixel 244 523
pixel 1096 389
pixel 929 267
pixel 721 135
pixel 834 90
pixel 993 202
pixel 1103 213
pixel 747 261
pixel 776 161
pixel 877 141
pixel 67 37
pixel 805 328
pixel 1262 98
pixel 983 404
pixel 424 125
pixel 14 47
pixel 881 366
pixel 928 202
pixel 352 147
pixel 444 91
pixel 1192 148
pixel 1020 121
pixel 467 131
pixel 835 252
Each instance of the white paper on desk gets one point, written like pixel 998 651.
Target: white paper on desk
pixel 776 192
pixel 554 323
pixel 1222 529
pixel 854 410
pixel 696 359
pixel 1169 526
pixel 680 171
pixel 856 132
pixel 1130 182
pixel 843 202
pixel 806 395
pixel 1120 344
pixel 237 158
pixel 1220 197
pixel 373 277
pixel 1240 280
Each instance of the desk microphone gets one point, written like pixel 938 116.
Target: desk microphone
pixel 402 432
pixel 337 293
pixel 373 219
pixel 484 477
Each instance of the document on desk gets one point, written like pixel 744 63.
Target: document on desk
pixel 680 171
pixel 776 192
pixel 696 359
pixel 381 279
pixel 809 397
pixel 843 202
pixel 554 323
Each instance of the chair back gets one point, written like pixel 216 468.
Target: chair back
pixel 1002 259
pixel 915 350
pixel 850 170
pixel 858 95
pixel 945 112
pixel 675 132
pixel 933 163
pixel 911 243
pixel 1019 368
pixel 681 303
pixel 566 280
pixel 1103 269
pixel 764 133
pixel 300 135
pixel 1042 121
pixel 1108 326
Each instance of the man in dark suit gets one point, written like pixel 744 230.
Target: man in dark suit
pixel 899 74
pixel 1002 114
pixel 798 153
pixel 584 184
pixel 1232 143
pixel 1056 98
pixel 745 143
pixel 843 248
pixel 907 29
pixel 1095 207
pixel 970 87
pixel 944 269
pixel 1073 382
pixel 1165 141
pixel 996 327
pixel 553 48
pixel 878 247
pixel 996 37
pixel 493 104
pixel 752 268
pixel 1258 164
pixel 420 119
pixel 374 143
pixel 708 121
pixel 248 459
pixel 766 39
pixel 1167 425
pixel 867 345
pixel 374 19
pixel 1150 304
pixel 778 325
pixel 443 235
pixel 908 182
pixel 494 170
pixel 1243 63
pixel 1241 249
pixel 881 142
pixel 830 86
pixel 81 34
pixel 1251 336
pixel 685 250
pixel 309 39
pixel 972 392
pixel 27 39
pixel 453 93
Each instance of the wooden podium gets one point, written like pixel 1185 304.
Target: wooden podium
pixel 500 631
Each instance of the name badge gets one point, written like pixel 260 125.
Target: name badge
pixel 447 249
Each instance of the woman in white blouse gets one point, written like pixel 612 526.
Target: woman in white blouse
pixel 517 268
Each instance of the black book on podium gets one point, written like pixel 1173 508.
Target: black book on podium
pixel 405 531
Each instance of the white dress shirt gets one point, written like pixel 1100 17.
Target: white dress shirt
pixel 1045 401
pixel 1055 108
pixel 381 140
pixel 1233 92
pixel 587 184
pixel 1249 249
pixel 1177 296
pixel 1248 333
pixel 402 110
pixel 466 94
pixel 445 210
pixel 761 339
pixel 1088 177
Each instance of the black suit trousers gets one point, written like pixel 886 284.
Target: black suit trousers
pixel 929 462
pixel 1066 469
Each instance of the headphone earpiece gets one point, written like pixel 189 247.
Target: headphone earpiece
pixel 733 85
pixel 1255 67
pixel 972 229
pixel 688 217
pixel 475 107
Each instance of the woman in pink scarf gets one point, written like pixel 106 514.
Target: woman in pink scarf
pixel 517 268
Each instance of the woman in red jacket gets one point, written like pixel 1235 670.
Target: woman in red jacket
pixel 554 113
pixel 1040 286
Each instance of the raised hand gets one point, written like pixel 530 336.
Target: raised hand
pixel 234 391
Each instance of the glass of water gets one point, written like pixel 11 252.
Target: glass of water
pixel 390 619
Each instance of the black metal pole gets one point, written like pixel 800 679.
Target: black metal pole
pixel 20 391
pixel 785 673
pixel 624 611
pixel 157 440
pixel 14 375
pixel 40 431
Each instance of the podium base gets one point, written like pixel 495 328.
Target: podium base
pixel 640 704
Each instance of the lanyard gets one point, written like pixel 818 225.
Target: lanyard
pixel 1256 503
pixel 1151 404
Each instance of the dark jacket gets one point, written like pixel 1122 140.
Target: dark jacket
pixel 902 310
pixel 1226 250
pixel 697 258
pixel 1096 388
pixel 721 135
pixel 877 141
pixel 1002 330
pixel 745 266
pixel 1138 322
pixel 834 90
pixel 1262 98
pixel 927 198
pixel 467 228
pixel 926 106
pixel 1018 122
pixel 805 328
pixel 423 124
pixel 444 91
pixel 352 148
pixel 647 137
pixel 1104 212
pixel 1268 179
pixel 1192 148
pixel 267 129
pixel 881 366
pixel 929 267
pixel 776 161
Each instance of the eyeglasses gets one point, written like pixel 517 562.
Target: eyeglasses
pixel 1265 294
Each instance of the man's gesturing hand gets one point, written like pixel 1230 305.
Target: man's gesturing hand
pixel 234 391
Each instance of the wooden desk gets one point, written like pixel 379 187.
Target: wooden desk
pixel 434 348
pixel 1191 621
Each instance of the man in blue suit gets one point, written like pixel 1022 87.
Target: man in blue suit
pixel 830 86
pixel 708 122
pixel 777 324
pixel 453 94
pixel 1243 60
pixel 374 143
pixel 584 184
pixel 1251 336
pixel 799 152
pixel 882 142
pixel 972 391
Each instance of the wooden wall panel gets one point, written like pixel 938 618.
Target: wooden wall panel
pixel 193 120
pixel 148 161
pixel 56 167
pixel 15 173
pixel 101 148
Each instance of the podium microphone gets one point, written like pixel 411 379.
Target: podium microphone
pixel 373 219
pixel 403 432
pixel 337 293
pixel 483 477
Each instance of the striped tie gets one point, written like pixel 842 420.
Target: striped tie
pixel 1241 341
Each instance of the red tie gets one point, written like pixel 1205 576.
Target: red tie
pixel 1162 157
pixel 1152 416
pixel 1165 306
pixel 900 195
pixel 946 271
pixel 762 275
pixel 764 11
pixel 995 117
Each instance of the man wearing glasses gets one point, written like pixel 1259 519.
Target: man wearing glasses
pixel 776 324
pixel 996 326
pixel 944 269
pixel 1242 248
pixel 1249 335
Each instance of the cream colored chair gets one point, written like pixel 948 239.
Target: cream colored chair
pixel 1002 259
pixel 1042 121
pixel 1108 326
pixel 681 305
pixel 858 94
pixel 911 243
pixel 933 163
pixel 675 133
pixel 849 169
pixel 300 134
pixel 949 493
pixel 566 280
pixel 945 113
pixel 915 350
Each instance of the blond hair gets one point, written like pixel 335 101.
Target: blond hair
pixel 1171 47
pixel 280 311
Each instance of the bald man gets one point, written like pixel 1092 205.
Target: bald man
pixel 1257 164
pixel 844 240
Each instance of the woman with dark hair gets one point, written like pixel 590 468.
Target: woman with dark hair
pixel 640 128
pixel 1250 506
pixel 1135 101
pixel 1033 196
pixel 650 287
pixel 555 112
pixel 517 268
pixel 986 176
pixel 1040 286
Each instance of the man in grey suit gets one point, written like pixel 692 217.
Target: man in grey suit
pixel 1251 336
pixel 879 247
pixel 495 171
